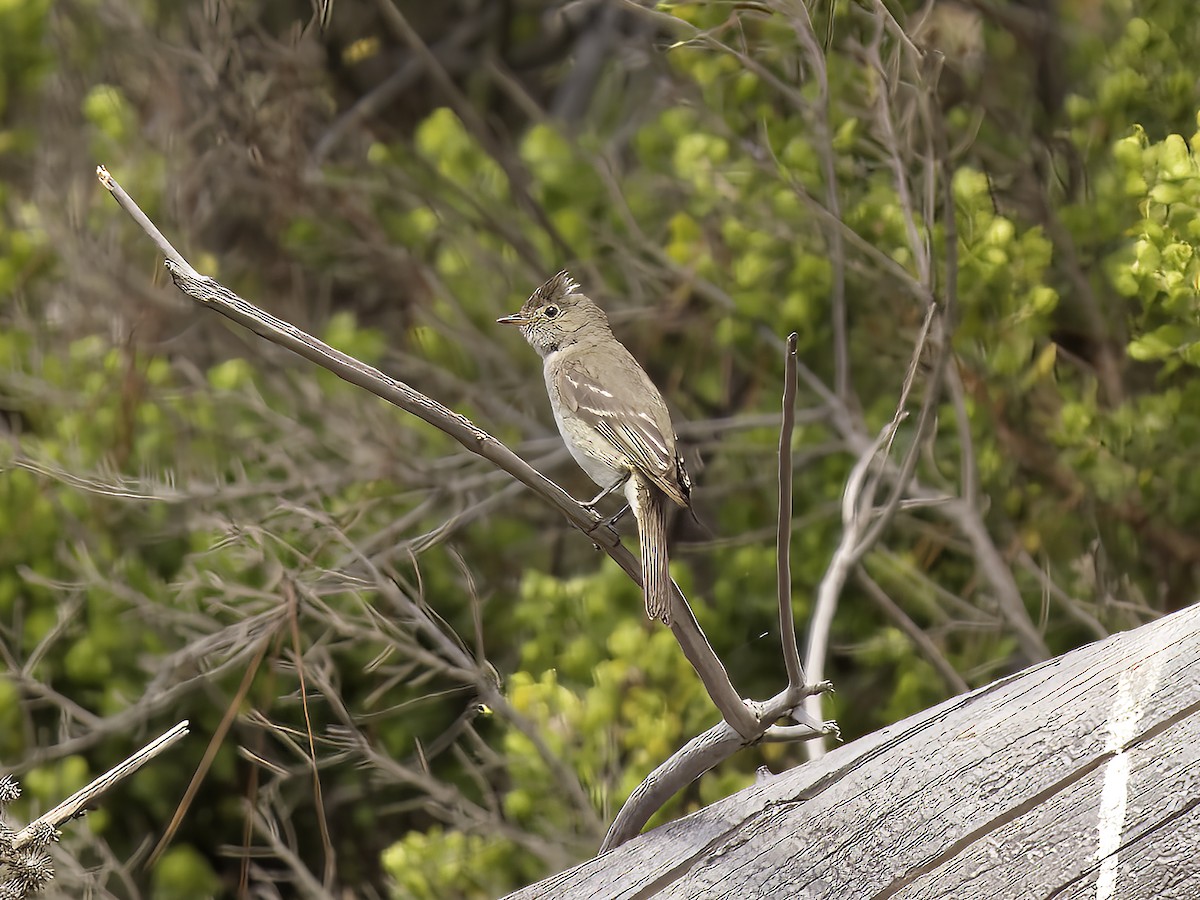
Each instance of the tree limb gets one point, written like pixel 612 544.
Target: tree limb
pixel 215 296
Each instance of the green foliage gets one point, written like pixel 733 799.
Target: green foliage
pixel 99 614
pixel 443 141
pixel 19 248
pixel 47 785
pixel 1162 268
pixel 440 864
pixel 151 498
pixel 113 118
pixel 24 61
pixel 184 873
pixel 599 689
pixel 1007 305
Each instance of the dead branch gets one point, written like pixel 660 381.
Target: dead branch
pixel 720 742
pixel 86 796
pixel 749 720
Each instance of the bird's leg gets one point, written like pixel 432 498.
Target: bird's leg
pixel 612 520
pixel 616 485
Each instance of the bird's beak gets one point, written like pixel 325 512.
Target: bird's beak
pixel 514 319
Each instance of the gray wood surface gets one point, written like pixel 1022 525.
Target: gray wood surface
pixel 1077 778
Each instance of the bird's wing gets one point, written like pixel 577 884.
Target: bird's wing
pixel 641 432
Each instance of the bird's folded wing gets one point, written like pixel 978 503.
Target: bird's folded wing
pixel 634 432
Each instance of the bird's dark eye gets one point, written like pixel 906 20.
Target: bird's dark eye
pixel 551 312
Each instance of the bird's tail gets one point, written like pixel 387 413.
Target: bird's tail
pixel 649 508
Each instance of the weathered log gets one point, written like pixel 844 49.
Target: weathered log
pixel 1078 777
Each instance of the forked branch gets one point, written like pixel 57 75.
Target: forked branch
pixel 739 714
pixel 720 742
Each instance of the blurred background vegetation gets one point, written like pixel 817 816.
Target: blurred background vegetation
pixel 192 520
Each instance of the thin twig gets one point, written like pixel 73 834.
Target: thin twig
pixel 517 178
pixel 330 855
pixel 84 797
pixel 969 515
pixel 884 98
pixel 837 249
pixel 1076 609
pixel 955 683
pixel 474 670
pixel 127 204
pixel 210 753
pixel 926 419
pixel 962 425
pixel 783 535
pixel 840 566
pixel 452 48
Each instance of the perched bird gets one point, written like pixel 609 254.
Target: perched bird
pixel 612 418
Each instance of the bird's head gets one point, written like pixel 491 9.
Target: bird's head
pixel 556 315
